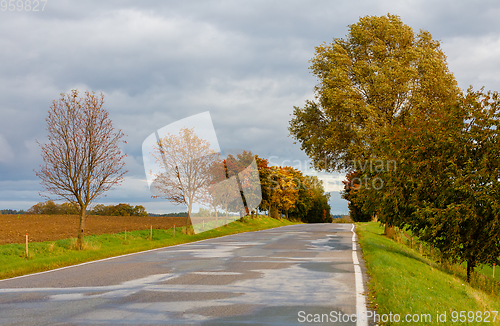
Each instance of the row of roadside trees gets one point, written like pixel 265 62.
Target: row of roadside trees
pixel 82 160
pixel 190 172
pixel 287 192
pixel 236 184
pixel 421 154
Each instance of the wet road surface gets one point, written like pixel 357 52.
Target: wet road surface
pixel 284 276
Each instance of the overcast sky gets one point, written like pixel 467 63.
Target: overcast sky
pixel 160 61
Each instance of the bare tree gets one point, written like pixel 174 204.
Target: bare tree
pixel 210 195
pixel 82 158
pixel 186 162
pixel 222 194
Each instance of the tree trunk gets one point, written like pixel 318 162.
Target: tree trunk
pixel 471 264
pixel 389 230
pixel 81 228
pixel 189 224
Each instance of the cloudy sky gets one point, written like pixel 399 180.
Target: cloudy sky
pixel 246 62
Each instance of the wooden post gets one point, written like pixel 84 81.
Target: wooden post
pixel 26 245
pixel 125 235
pixel 174 230
pixel 151 233
pixel 494 270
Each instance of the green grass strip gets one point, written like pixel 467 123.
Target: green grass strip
pixel 55 254
pixel 403 282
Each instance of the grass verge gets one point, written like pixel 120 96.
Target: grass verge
pixel 404 282
pixel 55 254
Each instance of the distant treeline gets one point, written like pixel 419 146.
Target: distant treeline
pixel 119 210
pixel 51 208
pixel 181 214
pixel 11 211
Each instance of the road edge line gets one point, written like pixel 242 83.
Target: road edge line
pixel 361 312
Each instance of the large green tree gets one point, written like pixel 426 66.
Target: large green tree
pixel 374 78
pixel 446 187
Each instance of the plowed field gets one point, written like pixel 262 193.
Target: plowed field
pixel 13 228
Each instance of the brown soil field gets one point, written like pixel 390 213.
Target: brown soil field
pixel 13 228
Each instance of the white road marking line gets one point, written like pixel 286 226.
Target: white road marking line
pixel 217 273
pixel 358 277
pixel 355 260
pixel 360 298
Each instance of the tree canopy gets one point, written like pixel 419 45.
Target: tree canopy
pixel 420 153
pixel 376 77
pixel 286 191
pixel 446 187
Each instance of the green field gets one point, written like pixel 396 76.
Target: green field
pixel 54 254
pixel 402 281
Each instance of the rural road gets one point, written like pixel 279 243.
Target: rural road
pixel 284 276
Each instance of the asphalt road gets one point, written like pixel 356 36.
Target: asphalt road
pixel 286 276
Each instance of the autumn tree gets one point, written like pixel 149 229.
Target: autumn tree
pixel 304 200
pixel 285 190
pixel 447 185
pixel 222 190
pixel 352 186
pixel 311 205
pixel 242 165
pixel 82 157
pixel 186 162
pixel 265 182
pixel 319 211
pixel 375 78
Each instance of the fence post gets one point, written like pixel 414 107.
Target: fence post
pixel 151 233
pixel 174 230
pixel 27 245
